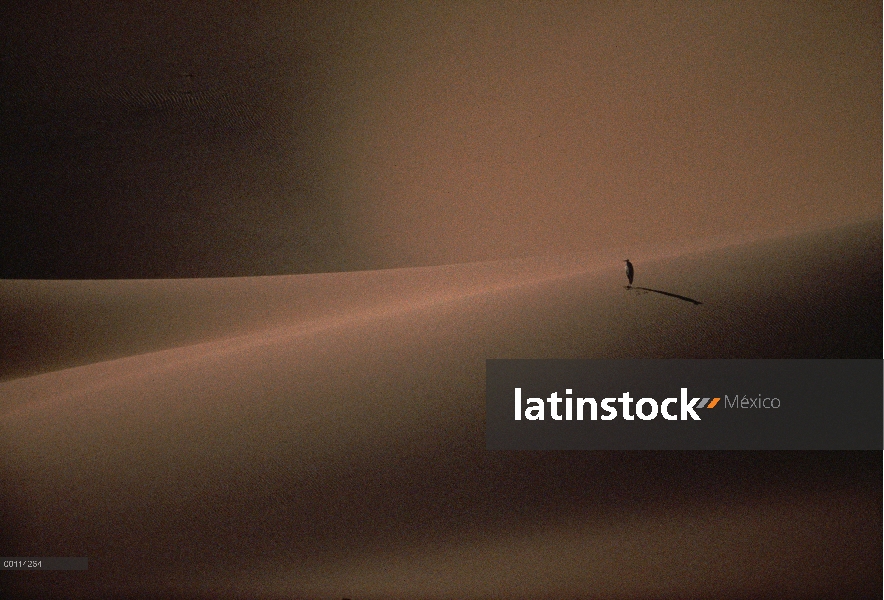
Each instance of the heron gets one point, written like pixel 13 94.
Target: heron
pixel 630 272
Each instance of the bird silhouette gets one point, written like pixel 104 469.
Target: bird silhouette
pixel 630 272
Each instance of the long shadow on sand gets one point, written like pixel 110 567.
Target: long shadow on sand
pixel 685 298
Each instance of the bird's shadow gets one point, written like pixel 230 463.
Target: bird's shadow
pixel 685 298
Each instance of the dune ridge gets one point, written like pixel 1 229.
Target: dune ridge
pixel 51 325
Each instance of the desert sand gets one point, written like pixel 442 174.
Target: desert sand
pixel 322 436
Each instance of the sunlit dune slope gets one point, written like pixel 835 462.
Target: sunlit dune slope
pixel 323 436
pixel 757 301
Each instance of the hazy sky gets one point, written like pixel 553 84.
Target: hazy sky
pixel 175 139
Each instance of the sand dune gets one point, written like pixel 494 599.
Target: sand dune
pixel 323 435
pixel 48 325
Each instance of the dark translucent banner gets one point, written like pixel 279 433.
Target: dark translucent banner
pixel 685 404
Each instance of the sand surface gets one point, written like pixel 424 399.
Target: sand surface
pixel 323 435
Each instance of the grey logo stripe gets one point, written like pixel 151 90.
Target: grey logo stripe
pixel 704 402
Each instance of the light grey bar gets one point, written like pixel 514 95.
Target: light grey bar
pixel 41 563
